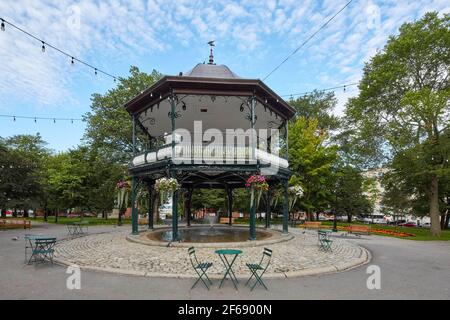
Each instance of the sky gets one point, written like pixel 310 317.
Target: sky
pixel 252 38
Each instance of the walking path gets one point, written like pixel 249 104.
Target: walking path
pixel 409 270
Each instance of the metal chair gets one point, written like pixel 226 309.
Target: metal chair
pixel 200 268
pixel 258 269
pixel 324 242
pixel 43 250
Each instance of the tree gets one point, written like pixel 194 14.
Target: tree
pixel 109 126
pixel 19 184
pixel 311 162
pixel 350 191
pixel 404 100
pixel 317 105
pixel 23 167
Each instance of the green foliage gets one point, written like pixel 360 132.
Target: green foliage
pixel 311 161
pixel 209 198
pixel 317 105
pixel 402 110
pixel 109 126
pixel 22 171
pixel 351 192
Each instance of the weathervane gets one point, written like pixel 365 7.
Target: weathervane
pixel 211 55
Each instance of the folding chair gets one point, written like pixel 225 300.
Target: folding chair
pixel 43 250
pixel 200 268
pixel 258 269
pixel 324 242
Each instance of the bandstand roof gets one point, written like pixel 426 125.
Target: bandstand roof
pixel 211 93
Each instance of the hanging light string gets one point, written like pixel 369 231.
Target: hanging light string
pixel 46 44
pixel 343 86
pixel 308 39
pixel 54 119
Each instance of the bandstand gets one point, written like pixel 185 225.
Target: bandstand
pixel 209 128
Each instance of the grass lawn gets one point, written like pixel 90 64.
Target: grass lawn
pixel 420 234
pixel 92 221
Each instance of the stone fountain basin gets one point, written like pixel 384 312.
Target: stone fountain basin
pixel 207 238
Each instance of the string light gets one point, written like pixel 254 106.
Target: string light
pixel 35 119
pixel 46 45
pixel 320 90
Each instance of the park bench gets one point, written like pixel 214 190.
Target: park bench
pixel 312 224
pixel 226 220
pixel 359 230
pixel 13 223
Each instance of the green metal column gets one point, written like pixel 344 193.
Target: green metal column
pixel 253 217
pixel 253 203
pixel 150 205
pixel 175 216
pixel 172 173
pixel 268 208
pixel 187 205
pixel 230 205
pixel 134 209
pixel 285 206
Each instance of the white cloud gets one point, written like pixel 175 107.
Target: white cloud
pixel 118 30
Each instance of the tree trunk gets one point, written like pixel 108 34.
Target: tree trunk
pixel 349 218
pixel 56 216
pixel 25 212
pixel 433 200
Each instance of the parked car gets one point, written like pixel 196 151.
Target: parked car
pixel 425 225
pixel 408 224
pixel 397 222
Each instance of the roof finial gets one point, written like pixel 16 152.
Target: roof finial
pixel 211 55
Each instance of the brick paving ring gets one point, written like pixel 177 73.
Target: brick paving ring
pixel 294 255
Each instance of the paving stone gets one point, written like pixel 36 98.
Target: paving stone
pixel 296 257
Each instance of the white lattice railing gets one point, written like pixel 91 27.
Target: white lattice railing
pixel 210 154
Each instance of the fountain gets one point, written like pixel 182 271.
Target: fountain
pixel 208 234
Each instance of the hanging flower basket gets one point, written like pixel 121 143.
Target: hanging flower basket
pixel 295 192
pixel 123 188
pixel 257 183
pixel 166 187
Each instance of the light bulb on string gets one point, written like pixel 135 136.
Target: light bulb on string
pixel 345 88
pixel 35 121
pixel 72 62
pixel 3 25
pixel 96 71
pixel 14 118
pixel 43 46
pixel 54 120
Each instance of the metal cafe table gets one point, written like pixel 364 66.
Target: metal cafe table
pixel 228 263
pixel 77 228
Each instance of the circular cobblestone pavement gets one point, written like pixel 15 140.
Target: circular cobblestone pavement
pixel 300 256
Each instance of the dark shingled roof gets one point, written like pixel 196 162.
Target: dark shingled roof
pixel 202 70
